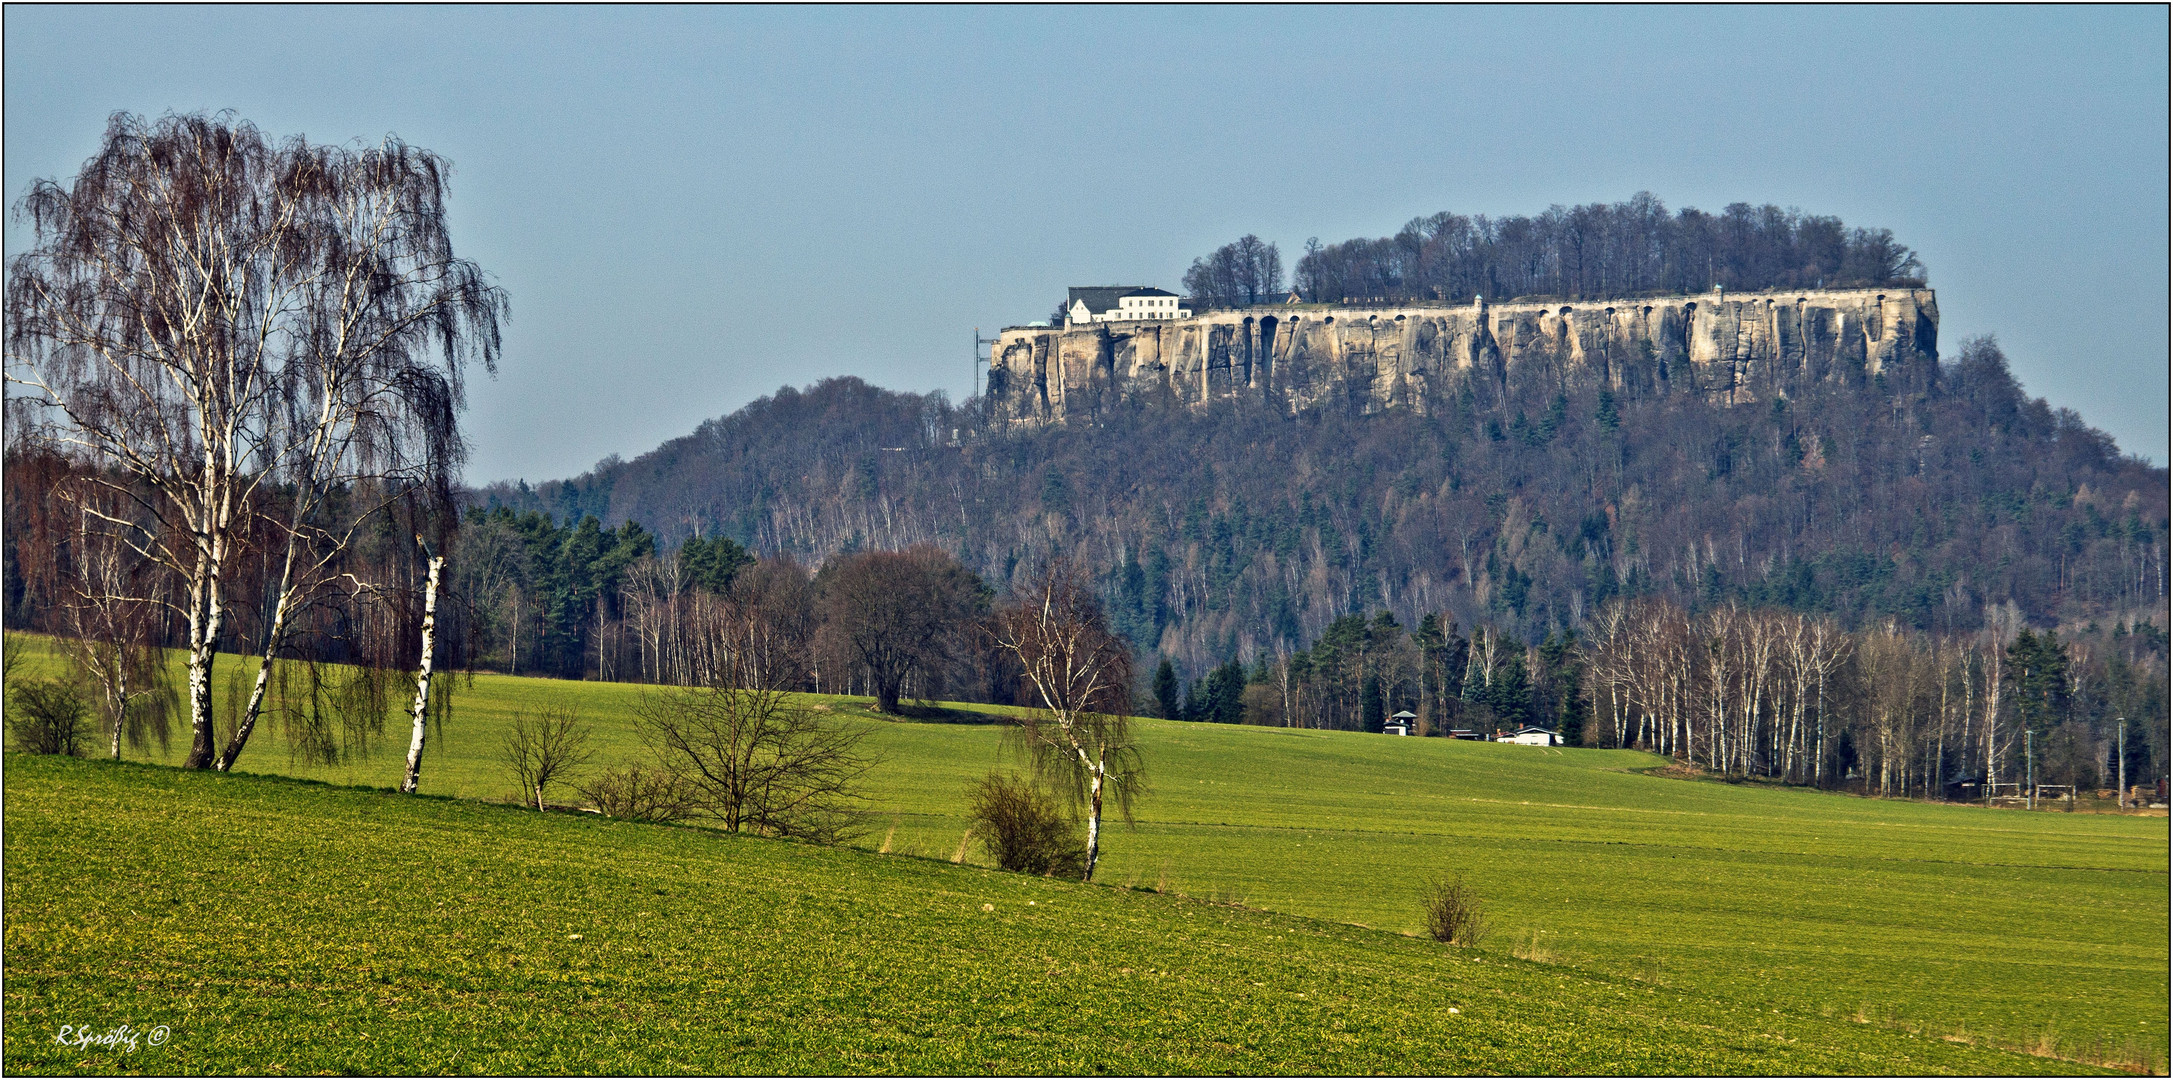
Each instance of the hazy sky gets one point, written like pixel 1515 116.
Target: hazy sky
pixel 691 206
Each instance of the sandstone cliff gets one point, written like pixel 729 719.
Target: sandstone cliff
pixel 1728 348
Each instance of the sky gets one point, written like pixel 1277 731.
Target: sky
pixel 693 206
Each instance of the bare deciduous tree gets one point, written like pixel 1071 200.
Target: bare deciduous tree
pixel 1081 675
pixel 744 750
pixel 758 761
pixel 113 630
pixel 1248 270
pixel 901 616
pixel 207 317
pixel 542 747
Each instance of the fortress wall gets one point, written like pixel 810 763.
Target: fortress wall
pixel 1728 348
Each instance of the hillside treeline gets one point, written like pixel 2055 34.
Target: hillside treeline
pixel 1604 250
pixel 1234 531
pixel 1228 536
pixel 578 600
pixel 1745 692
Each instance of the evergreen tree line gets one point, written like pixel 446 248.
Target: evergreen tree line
pixel 1630 248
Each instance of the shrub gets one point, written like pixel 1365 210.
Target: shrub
pixel 639 794
pixel 48 716
pixel 1024 829
pixel 1453 914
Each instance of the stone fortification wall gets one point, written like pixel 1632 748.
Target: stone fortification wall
pixel 1726 347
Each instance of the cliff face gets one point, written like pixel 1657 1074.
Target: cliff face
pixel 1728 348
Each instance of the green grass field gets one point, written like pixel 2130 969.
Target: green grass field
pixel 2041 931
pixel 261 925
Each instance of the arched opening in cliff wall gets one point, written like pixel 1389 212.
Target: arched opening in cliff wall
pixel 1218 347
pixel 1266 371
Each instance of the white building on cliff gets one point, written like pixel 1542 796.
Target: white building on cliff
pixel 1090 304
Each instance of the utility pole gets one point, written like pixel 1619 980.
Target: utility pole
pixel 979 359
pixel 2029 764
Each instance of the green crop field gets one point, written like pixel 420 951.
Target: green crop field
pixel 262 925
pixel 2043 931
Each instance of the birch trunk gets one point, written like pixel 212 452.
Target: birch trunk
pixel 1094 822
pixel 204 619
pixel 120 708
pixel 272 642
pixel 422 681
pixel 1992 680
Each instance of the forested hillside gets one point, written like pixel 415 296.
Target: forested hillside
pixel 1597 250
pixel 1232 530
pixel 1834 587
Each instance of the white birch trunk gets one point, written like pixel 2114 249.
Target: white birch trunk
pixel 204 613
pixel 120 707
pixel 1094 821
pixel 1992 676
pixel 422 681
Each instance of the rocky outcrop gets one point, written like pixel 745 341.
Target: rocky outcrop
pixel 1726 347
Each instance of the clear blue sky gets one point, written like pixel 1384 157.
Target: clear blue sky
pixel 693 206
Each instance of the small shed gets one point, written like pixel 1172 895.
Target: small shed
pixel 1530 736
pixel 1400 724
pixel 1466 733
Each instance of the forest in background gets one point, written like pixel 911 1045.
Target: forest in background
pixel 1314 569
pixel 1230 530
pixel 1631 248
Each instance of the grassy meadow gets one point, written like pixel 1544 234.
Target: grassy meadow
pixel 261 925
pixel 2045 932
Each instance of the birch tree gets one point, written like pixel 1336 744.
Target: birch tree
pixel 1081 674
pixel 420 713
pixel 114 627
pixel 206 319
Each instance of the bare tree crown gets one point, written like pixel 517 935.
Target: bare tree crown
pixel 205 314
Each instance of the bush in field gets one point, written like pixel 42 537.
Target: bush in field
pixel 640 794
pixel 1453 914
pixel 48 716
pixel 1024 829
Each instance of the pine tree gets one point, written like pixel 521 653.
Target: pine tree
pixel 1165 691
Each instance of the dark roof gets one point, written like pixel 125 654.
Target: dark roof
pixel 1149 291
pixel 1099 298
